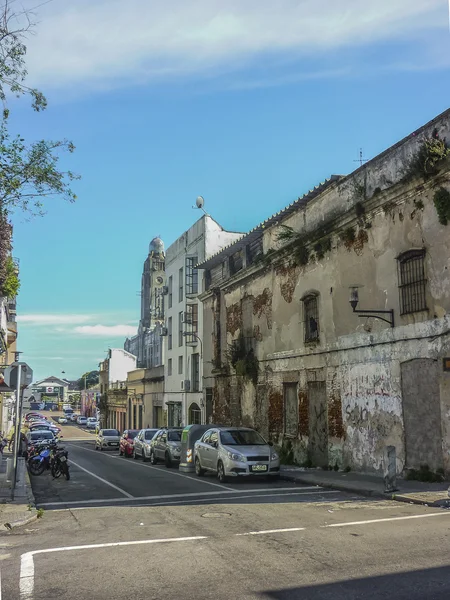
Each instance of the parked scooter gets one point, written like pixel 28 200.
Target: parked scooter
pixel 59 464
pixel 38 463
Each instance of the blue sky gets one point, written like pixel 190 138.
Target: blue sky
pixel 249 104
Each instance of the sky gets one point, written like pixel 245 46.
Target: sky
pixel 249 104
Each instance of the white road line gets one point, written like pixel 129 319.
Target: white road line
pixel 196 499
pixel 26 582
pixel 272 531
pixel 102 480
pixel 0 585
pixel 254 492
pixel 439 514
pixel 137 464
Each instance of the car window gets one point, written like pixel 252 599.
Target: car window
pixel 150 434
pixel 242 437
pixel 206 436
pixel 214 438
pixel 132 435
pixel 163 437
pixel 109 432
pixel 174 436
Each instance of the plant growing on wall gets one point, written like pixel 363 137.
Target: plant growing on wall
pixel 242 360
pixel 426 160
pixel 441 201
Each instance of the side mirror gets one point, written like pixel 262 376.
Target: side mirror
pixel 214 444
pixel 270 443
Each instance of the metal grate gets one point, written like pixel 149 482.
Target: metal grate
pixel 311 309
pixel 412 282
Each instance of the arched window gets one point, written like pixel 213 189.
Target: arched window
pixel 412 281
pixel 311 317
pixel 195 414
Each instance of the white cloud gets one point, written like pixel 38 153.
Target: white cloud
pixel 106 330
pixel 54 319
pixel 110 42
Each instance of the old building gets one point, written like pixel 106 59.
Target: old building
pixel 284 349
pixel 145 389
pixel 147 344
pixel 183 333
pixel 113 373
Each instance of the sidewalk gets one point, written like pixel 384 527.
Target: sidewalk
pixel 22 510
pixel 414 492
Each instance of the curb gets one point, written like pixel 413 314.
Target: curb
pixel 29 518
pixel 435 503
pixel 334 486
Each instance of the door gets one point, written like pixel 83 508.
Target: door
pixel 203 448
pixel 161 445
pixel 138 444
pixel 422 413
pixel 213 450
pixel 318 424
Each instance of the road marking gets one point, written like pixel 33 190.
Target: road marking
pixel 196 499
pixel 272 531
pixel 254 493
pixel 439 514
pixel 26 581
pixel 0 585
pixel 103 480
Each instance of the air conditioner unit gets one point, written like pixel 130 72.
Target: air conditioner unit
pixel 165 290
pixel 187 318
pixel 164 331
pixel 187 385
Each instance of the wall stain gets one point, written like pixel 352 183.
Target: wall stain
pixel 234 318
pixel 303 413
pixel 276 416
pixel 361 239
pixel 335 422
pixel 262 305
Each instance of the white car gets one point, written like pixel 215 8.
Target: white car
pixel 62 420
pixel 82 420
pixel 91 423
pixel 107 439
pixel 74 417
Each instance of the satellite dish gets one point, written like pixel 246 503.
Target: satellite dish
pixel 200 202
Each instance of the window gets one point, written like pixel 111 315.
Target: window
pixel 169 367
pixel 206 436
pixel 180 328
pixel 180 365
pixel 311 313
pixel 170 286
pixel 236 262
pixel 195 372
pixel 169 333
pixel 412 280
pixel 290 408
pixel 214 439
pixel 180 285
pixel 191 322
pixel 191 275
pixel 254 250
pixel 195 414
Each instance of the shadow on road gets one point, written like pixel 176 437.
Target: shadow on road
pixel 424 584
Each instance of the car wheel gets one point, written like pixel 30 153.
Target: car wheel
pixel 221 472
pixel 101 448
pixel 198 468
pixel 153 458
pixel 167 460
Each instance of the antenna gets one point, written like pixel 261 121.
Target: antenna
pixel 361 160
pixel 199 204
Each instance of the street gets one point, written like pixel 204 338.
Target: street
pixel 122 528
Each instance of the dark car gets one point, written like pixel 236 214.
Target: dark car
pixel 126 446
pixel 166 446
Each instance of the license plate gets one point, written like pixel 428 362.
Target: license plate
pixel 113 443
pixel 63 459
pixel 258 468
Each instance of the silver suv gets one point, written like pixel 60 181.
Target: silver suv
pixel 107 439
pixel 166 446
pixel 235 452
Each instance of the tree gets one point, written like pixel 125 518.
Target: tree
pixel 28 171
pixel 91 378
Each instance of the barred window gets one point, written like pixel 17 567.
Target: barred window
pixel 311 313
pixel 412 281
pixel 191 275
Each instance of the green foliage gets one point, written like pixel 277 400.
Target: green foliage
pixel 286 234
pixel 91 377
pixel 360 210
pixel 348 236
pixel 301 253
pixel 442 203
pixel 426 160
pixel 5 244
pixel 10 285
pixel 40 513
pixel 419 204
pixel 243 361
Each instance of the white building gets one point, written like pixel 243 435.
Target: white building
pixel 183 345
pixel 115 368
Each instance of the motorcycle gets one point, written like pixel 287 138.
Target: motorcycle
pixel 59 464
pixel 38 463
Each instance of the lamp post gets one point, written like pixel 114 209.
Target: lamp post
pixel 354 300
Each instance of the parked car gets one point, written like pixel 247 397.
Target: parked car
pixel 62 420
pixel 107 439
pixel 142 443
pixel 45 426
pixel 39 435
pixel 82 420
pixel 91 423
pixel 74 417
pixel 235 452
pixel 166 446
pixel 127 442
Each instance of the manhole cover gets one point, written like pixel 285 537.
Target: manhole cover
pixel 216 515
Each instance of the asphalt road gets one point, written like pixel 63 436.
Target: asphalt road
pixel 179 536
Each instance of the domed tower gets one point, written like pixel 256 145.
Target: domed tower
pixel 156 246
pixel 152 285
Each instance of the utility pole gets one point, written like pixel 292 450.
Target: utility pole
pixel 17 424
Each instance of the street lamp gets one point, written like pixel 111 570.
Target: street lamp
pixel 354 300
pixel 186 333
